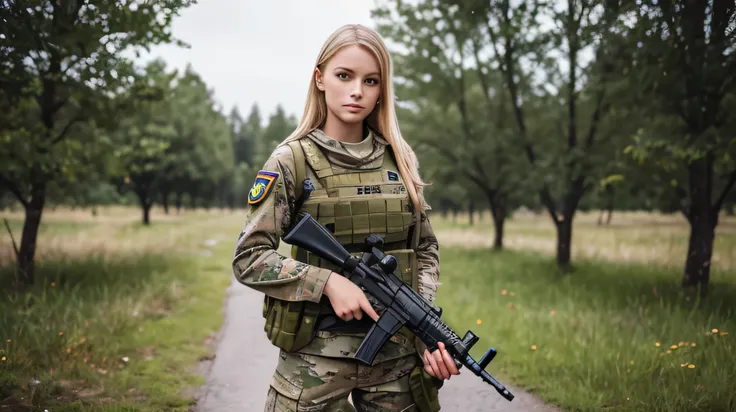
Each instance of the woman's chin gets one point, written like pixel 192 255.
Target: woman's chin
pixel 351 118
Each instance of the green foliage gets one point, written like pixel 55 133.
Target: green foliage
pixel 61 63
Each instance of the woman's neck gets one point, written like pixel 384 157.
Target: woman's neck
pixel 343 132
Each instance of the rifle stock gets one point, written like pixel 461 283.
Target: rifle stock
pixel 374 273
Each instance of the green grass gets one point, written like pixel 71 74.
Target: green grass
pixel 139 305
pixel 595 331
pixel 46 228
pixel 116 330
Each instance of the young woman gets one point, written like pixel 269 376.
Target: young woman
pixel 364 180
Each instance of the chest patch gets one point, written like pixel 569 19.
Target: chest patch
pixel 369 190
pixel 392 176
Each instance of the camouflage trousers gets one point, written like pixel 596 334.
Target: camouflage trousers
pixel 309 383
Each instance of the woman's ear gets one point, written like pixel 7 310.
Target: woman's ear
pixel 318 79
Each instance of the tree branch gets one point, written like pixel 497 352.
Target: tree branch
pixel 596 119
pixel 12 239
pixel 722 198
pixel 14 189
pixel 66 129
pixel 447 153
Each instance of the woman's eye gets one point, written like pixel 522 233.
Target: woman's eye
pixel 340 75
pixel 372 81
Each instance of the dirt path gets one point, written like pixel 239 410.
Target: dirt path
pixel 241 372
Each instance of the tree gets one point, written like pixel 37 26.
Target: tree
pixel 453 109
pixel 143 139
pixel 60 62
pixel 684 75
pixel 559 98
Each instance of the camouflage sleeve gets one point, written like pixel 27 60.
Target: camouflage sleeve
pixel 428 264
pixel 256 263
pixel 428 260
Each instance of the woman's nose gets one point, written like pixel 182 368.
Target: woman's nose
pixel 357 90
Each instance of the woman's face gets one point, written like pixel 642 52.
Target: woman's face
pixel 352 84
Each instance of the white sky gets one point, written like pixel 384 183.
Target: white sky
pixel 258 51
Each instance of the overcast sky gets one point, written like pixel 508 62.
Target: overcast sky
pixel 258 51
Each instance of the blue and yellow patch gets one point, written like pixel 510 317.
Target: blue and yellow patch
pixel 262 186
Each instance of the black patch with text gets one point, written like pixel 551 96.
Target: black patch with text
pixel 369 190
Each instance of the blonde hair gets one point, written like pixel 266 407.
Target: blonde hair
pixel 382 118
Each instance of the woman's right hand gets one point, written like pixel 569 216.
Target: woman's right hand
pixel 347 299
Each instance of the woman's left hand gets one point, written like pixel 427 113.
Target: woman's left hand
pixel 439 363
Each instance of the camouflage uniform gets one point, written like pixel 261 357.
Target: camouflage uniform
pixel 321 375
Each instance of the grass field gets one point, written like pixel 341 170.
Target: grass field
pixel 615 335
pixel 121 314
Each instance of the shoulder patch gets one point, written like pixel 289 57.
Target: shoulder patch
pixel 262 186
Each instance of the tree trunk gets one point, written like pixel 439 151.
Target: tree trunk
pixel 146 204
pixel 177 201
pixel 34 209
pixel 703 221
pixel 699 253
pixel 497 204
pixel 499 218
pixel 564 241
pixel 147 213
pixel 165 202
pixel 471 211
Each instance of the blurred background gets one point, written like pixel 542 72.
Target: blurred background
pixel 581 155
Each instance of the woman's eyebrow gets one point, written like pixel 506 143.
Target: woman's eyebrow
pixel 348 70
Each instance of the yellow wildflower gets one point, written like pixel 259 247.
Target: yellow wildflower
pixel 657 344
pixel 668 351
pixel 534 347
pixel 3 358
pixel 714 331
pixel 724 333
pixel 673 347
pixel 478 322
pixel 691 366
pixel 693 344
pixel 61 333
pixel 504 292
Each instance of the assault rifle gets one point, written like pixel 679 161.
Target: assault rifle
pixel 374 273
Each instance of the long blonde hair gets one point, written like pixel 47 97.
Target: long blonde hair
pixel 382 118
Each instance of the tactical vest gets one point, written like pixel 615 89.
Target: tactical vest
pixel 352 204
